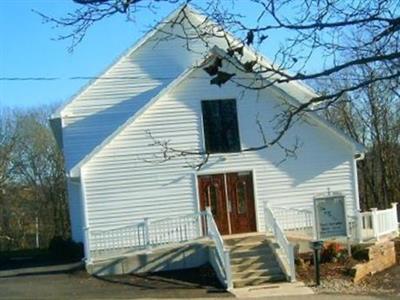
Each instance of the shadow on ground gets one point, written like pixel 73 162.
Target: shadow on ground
pixel 78 284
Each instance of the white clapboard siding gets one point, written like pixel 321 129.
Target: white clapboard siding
pixel 122 187
pixel 75 209
pixel 121 91
pixel 134 80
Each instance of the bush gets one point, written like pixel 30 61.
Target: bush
pixel 360 253
pixel 65 249
pixel 331 251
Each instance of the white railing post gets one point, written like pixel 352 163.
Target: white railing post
pixel 292 263
pixel 395 220
pixel 359 227
pixel 228 271
pixel 86 245
pixel 208 214
pixel 146 233
pixel 375 223
pixel 314 225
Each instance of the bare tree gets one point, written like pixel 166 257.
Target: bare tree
pixel 33 184
pixel 372 117
pixel 329 31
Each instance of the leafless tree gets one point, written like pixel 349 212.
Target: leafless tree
pixel 329 31
pixel 33 184
pixel 372 117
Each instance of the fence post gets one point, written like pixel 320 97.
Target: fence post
pixel 86 248
pixel 359 227
pixel 228 272
pixel 146 233
pixel 292 263
pixel 395 216
pixel 208 214
pixel 375 224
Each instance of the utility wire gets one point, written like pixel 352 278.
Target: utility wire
pixel 133 77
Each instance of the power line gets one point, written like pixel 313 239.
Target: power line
pixel 133 77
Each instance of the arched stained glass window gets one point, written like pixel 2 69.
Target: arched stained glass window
pixel 213 198
pixel 241 190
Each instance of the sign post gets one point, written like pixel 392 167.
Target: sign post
pixel 330 223
pixel 330 217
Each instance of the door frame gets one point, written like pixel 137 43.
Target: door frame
pixel 225 171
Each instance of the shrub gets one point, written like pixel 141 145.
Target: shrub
pixel 330 252
pixel 65 249
pixel 360 253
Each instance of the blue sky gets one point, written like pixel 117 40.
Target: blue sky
pixel 28 49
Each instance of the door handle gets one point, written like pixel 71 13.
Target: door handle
pixel 229 206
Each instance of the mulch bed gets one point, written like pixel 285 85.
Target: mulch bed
pixel 340 268
pixel 336 277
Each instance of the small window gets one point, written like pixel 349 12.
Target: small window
pixel 221 130
pixel 213 198
pixel 241 191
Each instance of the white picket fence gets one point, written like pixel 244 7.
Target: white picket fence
pixel 364 226
pixel 376 223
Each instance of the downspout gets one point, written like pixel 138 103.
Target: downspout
pixel 85 227
pixel 357 157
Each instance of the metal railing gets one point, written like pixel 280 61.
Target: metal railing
pixel 272 225
pixel 223 253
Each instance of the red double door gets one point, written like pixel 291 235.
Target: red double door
pixel 231 199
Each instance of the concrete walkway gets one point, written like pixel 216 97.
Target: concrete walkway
pixel 273 290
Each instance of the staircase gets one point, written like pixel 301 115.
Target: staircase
pixel 252 261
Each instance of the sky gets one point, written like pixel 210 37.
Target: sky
pixel 29 48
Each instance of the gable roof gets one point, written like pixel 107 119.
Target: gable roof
pixel 75 171
pixel 296 91
pixel 215 51
pixel 129 51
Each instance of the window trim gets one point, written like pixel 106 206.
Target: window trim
pixel 203 128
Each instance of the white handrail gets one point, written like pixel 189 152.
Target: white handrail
pixel 222 253
pixel 143 235
pixel 273 226
pixel 363 226
pixel 294 219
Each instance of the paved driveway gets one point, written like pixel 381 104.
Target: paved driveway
pixel 79 285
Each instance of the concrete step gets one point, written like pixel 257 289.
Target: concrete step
pixel 256 273
pixel 261 252
pixel 245 260
pixel 258 280
pixel 248 247
pixel 264 265
pixel 244 240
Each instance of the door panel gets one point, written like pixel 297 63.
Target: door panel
pixel 212 194
pixel 241 197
